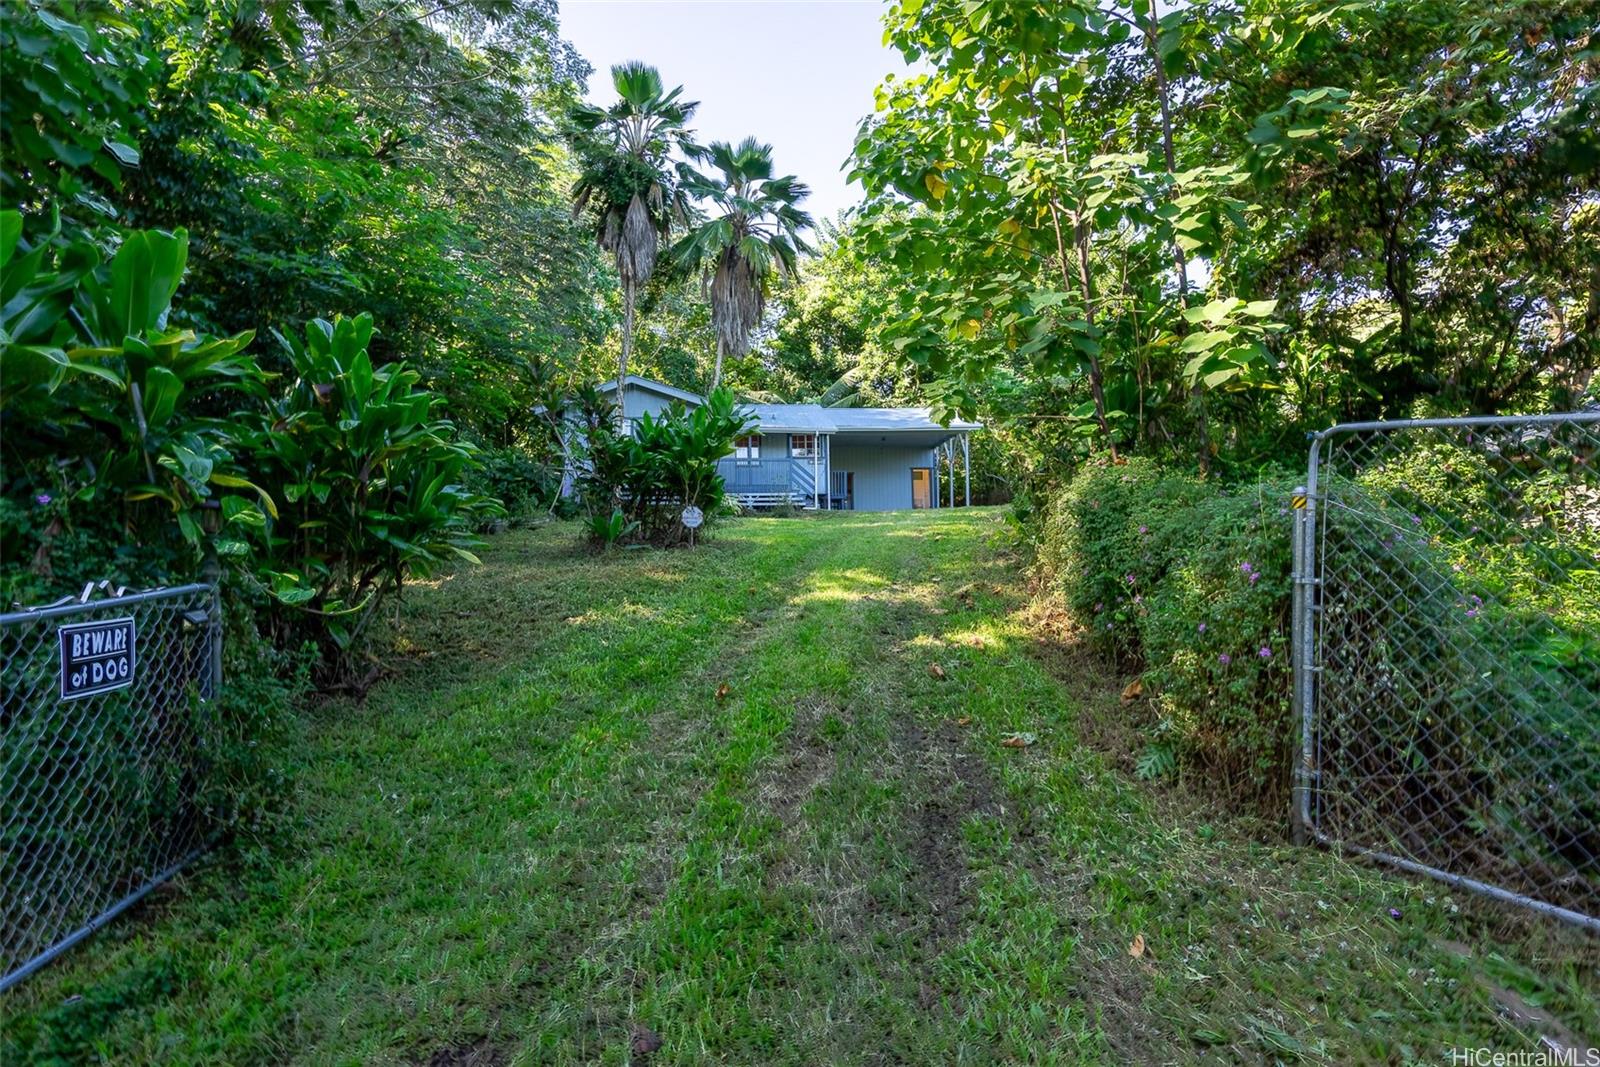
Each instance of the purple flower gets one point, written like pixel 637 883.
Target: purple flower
pixel 1245 568
pixel 42 499
pixel 1254 576
pixel 1099 608
pixel 1224 659
pixel 1144 529
pixel 1202 627
pixel 1108 626
pixel 1265 653
pixel 1137 599
pixel 1394 913
pixel 1415 521
pixel 1130 579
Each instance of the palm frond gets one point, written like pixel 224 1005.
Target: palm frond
pixel 638 83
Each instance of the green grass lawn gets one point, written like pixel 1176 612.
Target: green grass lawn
pixel 547 839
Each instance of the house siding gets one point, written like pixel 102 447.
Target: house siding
pixel 637 402
pixel 883 473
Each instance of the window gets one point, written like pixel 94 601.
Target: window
pixel 747 447
pixel 803 445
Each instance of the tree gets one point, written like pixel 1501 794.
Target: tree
pixel 1226 223
pixel 626 180
pixel 753 234
pixel 394 156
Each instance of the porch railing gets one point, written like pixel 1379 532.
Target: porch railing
pixel 759 475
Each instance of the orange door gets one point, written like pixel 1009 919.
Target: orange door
pixel 921 487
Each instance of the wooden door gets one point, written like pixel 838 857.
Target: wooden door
pixel 921 487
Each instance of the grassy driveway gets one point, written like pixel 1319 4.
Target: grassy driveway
pixel 752 804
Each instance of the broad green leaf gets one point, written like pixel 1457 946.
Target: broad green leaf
pixel 10 234
pixel 162 389
pixel 144 276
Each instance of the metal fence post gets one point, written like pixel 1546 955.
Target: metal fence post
pixel 1298 638
pixel 211 571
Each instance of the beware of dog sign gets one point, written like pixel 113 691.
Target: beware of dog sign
pixel 96 657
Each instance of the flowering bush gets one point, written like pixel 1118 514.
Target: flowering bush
pixel 1190 582
pixel 1215 639
pixel 1109 539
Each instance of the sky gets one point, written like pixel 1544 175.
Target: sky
pixel 798 74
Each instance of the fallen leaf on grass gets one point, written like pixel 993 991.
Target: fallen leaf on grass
pixel 936 670
pixel 965 720
pixel 1133 691
pixel 1136 947
pixel 645 1041
pixel 1018 740
pixel 722 691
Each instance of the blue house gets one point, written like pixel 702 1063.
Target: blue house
pixel 866 459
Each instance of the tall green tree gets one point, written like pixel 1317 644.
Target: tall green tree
pixel 395 156
pixel 628 181
pixel 1220 223
pixel 752 235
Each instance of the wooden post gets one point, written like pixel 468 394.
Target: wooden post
pixel 816 471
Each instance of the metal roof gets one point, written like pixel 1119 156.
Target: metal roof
pixel 813 418
pixel 650 385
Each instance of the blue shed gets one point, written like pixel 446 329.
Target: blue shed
pixel 866 459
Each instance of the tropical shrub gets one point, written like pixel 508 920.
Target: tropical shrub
pixel 105 443
pixel 606 531
pixel 1460 695
pixel 667 463
pixel 370 486
pixel 1108 540
pixel 524 485
pixel 134 447
pixel 1188 583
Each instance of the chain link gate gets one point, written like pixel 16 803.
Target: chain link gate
pixel 1447 652
pixel 101 760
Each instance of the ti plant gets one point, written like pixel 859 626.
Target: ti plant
pixel 370 480
pixel 92 365
pixel 668 462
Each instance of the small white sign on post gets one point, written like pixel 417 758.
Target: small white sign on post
pixel 693 517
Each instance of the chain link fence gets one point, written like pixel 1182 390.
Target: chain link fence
pixel 1447 633
pixel 101 762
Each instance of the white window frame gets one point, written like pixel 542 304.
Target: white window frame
pixel 806 452
pixel 747 448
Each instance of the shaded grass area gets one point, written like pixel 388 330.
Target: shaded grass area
pixel 548 839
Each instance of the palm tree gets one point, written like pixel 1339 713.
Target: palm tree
pixel 843 392
pixel 752 234
pixel 627 181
